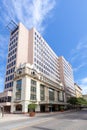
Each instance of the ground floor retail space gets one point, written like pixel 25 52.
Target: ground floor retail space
pixel 19 108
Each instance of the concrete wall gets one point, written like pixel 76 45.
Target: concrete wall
pixel 22 49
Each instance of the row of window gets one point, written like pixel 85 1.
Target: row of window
pixel 8 85
pixel 44 49
pixel 10 71
pixel 13 36
pixel 43 54
pixel 5 99
pixel 13 41
pixel 33 96
pixel 11 58
pixel 60 96
pixel 12 52
pixel 9 77
pixel 11 64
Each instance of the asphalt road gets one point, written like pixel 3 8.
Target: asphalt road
pixel 65 121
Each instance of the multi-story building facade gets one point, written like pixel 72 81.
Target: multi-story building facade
pixel 84 96
pixel 66 76
pixel 17 53
pixel 78 90
pixel 28 46
pixel 31 86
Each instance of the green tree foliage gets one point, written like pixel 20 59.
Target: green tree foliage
pixel 32 106
pixel 77 101
pixel 72 100
pixel 81 101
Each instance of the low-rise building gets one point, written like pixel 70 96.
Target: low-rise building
pixel 5 100
pixel 78 90
pixel 85 96
pixel 31 86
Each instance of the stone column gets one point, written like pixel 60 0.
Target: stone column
pixel 46 95
pixel 38 91
pixel 37 108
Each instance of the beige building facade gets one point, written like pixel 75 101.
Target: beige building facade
pixel 5 100
pixel 32 86
pixel 66 77
pixel 28 46
pixel 78 90
pixel 85 96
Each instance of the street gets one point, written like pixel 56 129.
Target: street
pixel 52 121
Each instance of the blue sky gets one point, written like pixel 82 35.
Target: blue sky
pixel 63 24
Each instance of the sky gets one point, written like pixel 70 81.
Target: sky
pixel 62 23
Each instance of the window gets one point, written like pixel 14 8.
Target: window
pixel 60 96
pixel 18 89
pixel 42 92
pixel 33 90
pixel 33 82
pixel 51 95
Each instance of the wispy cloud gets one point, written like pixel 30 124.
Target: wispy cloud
pixel 83 84
pixel 3 55
pixel 29 12
pixel 3 47
pixel 79 54
pixel 2 76
pixel 79 67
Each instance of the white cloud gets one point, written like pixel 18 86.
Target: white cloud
pixel 3 55
pixel 29 12
pixel 3 47
pixel 2 77
pixel 79 55
pixel 79 67
pixel 1 83
pixel 83 84
pixel 84 80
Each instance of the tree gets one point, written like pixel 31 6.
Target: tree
pixel 77 102
pixel 32 106
pixel 72 100
pixel 81 101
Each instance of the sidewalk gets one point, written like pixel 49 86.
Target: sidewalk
pixel 15 117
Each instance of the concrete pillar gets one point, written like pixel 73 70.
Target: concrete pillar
pixel 12 108
pixel 55 96
pixel 46 95
pixel 61 96
pixel 24 107
pixel 38 91
pixel 37 108
pixel 25 94
pixel 46 108
pixel 64 97
pixel 56 107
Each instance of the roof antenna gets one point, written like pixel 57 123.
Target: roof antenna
pixel 12 26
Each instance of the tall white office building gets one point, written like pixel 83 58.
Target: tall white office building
pixel 29 51
pixel 66 77
pixel 28 46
